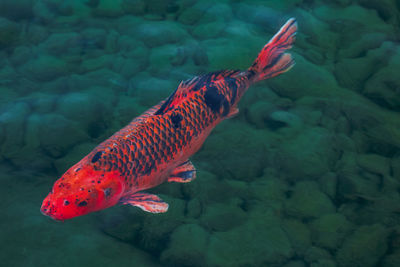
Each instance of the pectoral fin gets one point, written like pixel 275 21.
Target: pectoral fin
pixel 184 173
pixel 147 202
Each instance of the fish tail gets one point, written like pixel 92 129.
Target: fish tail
pixel 272 59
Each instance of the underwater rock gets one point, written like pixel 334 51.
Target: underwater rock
pixel 364 44
pixel 316 254
pixel 307 201
pixel 298 234
pixel 264 242
pixel 216 12
pixel 220 51
pixel 62 43
pixel 267 189
pixel 392 260
pixel 347 18
pixel 352 182
pixel 86 109
pixel 192 15
pixel 310 80
pixel 208 30
pixel 323 263
pixel 16 10
pixel 250 146
pixel 73 156
pixel 295 264
pixel 330 230
pixel 134 7
pixel 396 167
pixel 187 246
pixel 258 113
pixel 382 86
pixel 150 90
pixel 364 247
pixel 164 58
pixel 108 8
pixel 52 128
pixel 13 121
pixel 45 68
pixel 265 17
pixel 328 184
pixel 386 9
pixel 308 155
pixel 211 218
pixel 374 163
pixel 9 32
pixel 160 33
pixel 354 72
pixel 157 229
pixel 97 63
pixel 287 118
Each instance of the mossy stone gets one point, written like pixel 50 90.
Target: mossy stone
pixel 330 230
pixel 307 201
pixel 187 246
pixel 364 247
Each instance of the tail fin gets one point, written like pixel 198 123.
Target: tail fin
pixel 272 60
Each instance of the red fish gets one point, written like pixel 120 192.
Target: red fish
pixel 156 146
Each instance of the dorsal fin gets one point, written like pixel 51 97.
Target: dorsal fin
pixel 190 86
pixel 180 93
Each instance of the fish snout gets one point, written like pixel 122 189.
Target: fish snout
pixel 49 209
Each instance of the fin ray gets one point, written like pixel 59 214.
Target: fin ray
pixel 147 202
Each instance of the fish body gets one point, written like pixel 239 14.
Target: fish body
pixel 156 146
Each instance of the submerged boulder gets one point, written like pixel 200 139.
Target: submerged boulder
pixel 364 247
pixel 187 246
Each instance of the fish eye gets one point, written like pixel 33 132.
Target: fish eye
pixel 66 202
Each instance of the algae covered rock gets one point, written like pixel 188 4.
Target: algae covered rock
pixel 266 243
pixel 250 146
pixel 307 201
pixel 54 126
pixel 45 68
pixel 308 155
pixel 298 234
pixel 364 247
pixel 212 217
pixel 187 246
pixel 9 32
pixel 330 230
pixel 156 33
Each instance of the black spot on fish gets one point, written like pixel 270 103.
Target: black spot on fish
pixel 97 156
pixel 107 192
pixel 82 204
pixel 176 120
pixel 213 98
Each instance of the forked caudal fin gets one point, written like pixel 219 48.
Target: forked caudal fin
pixel 272 59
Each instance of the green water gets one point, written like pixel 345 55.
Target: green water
pixel 308 173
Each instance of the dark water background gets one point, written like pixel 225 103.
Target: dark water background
pixel 308 174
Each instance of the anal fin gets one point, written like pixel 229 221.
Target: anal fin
pixel 147 202
pixel 184 173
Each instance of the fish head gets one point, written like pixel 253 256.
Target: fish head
pixel 82 190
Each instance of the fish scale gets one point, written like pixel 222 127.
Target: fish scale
pixel 156 146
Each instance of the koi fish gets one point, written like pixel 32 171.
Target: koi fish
pixel 156 146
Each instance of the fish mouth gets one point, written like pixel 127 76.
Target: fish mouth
pixel 45 209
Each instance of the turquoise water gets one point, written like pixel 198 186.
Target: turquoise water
pixel 308 173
